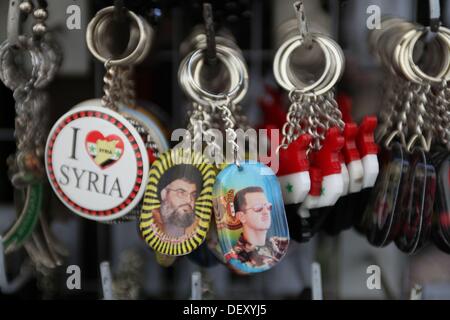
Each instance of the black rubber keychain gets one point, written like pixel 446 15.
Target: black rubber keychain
pixel 417 199
pixel 440 233
pixel 426 126
pixel 407 219
pixel 441 220
pixel 379 215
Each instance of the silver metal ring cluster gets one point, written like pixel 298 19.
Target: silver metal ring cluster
pixel 394 46
pixel 334 65
pixel 45 60
pixel 189 74
pixel 139 44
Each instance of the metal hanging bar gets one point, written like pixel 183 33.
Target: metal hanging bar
pixel 14 22
pixel 302 22
pixel 435 15
pixel 211 53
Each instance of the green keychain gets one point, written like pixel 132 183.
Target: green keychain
pixel 29 216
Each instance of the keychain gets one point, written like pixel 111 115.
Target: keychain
pixel 313 115
pixel 96 160
pixel 170 222
pixel 26 166
pixel 359 155
pixel 122 85
pixel 243 250
pixel 405 216
pixel 200 120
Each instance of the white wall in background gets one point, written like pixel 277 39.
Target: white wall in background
pixel 355 255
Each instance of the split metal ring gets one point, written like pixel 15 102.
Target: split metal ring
pixel 138 44
pixel 190 73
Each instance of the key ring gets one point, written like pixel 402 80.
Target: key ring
pixel 282 58
pixel 189 76
pixel 52 57
pixel 92 39
pixel 101 31
pixel 328 79
pixel 11 74
pixel 387 42
pixel 444 73
pixel 194 94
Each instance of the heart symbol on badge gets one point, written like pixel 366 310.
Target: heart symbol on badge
pixel 105 151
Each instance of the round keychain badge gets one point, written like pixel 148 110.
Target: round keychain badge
pixel 97 163
pixel 177 203
pixel 151 133
pixel 250 217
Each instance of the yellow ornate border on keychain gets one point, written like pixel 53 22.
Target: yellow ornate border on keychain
pixel 177 205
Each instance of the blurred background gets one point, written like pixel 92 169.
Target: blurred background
pixel 254 24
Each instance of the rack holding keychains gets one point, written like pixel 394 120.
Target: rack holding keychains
pixel 252 56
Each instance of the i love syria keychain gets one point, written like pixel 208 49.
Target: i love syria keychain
pixel 96 160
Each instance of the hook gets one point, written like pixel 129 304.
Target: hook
pixel 435 15
pixel 14 22
pixel 211 53
pixel 196 286
pixel 119 36
pixel 105 275
pixel 416 292
pixel 316 281
pixel 9 287
pixel 119 10
pixel 302 22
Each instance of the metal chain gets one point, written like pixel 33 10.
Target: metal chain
pixel 332 109
pixel 31 122
pixel 317 123
pixel 420 129
pixel 111 87
pixel 241 118
pixel 229 124
pixel 445 116
pixel 404 107
pixel 392 92
pixel 127 86
pixel 438 104
pixel 292 128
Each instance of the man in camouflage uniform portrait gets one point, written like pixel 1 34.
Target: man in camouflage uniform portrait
pixel 254 250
